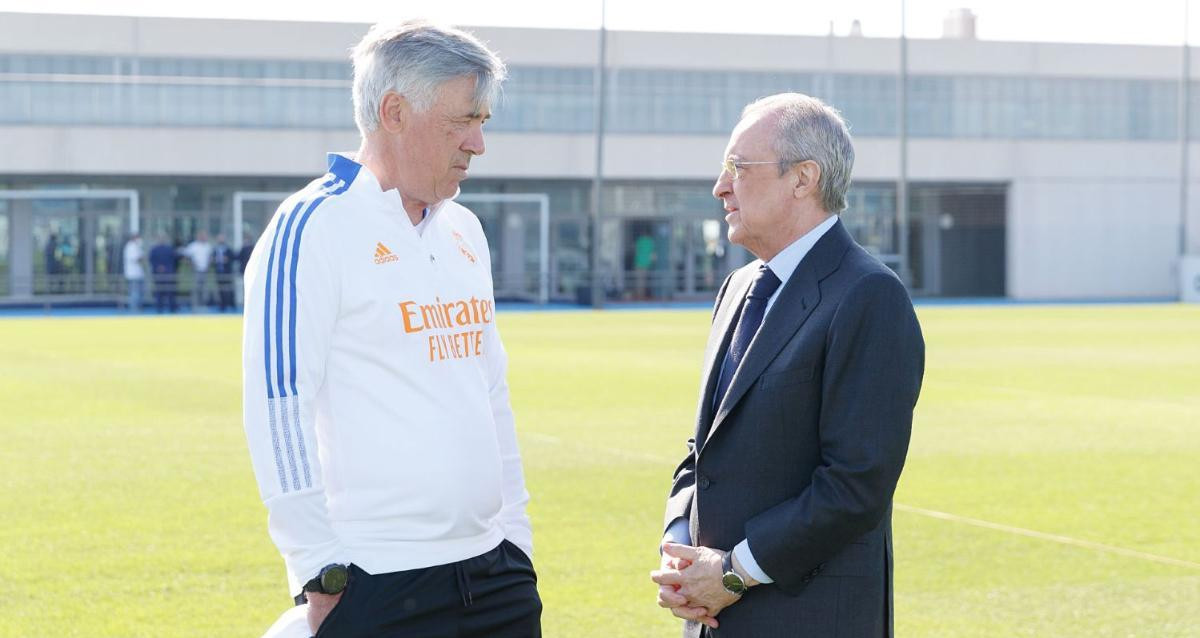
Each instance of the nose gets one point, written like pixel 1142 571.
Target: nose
pixel 474 142
pixel 724 185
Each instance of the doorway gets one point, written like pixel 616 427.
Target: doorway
pixel 957 240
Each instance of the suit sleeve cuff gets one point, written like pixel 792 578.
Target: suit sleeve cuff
pixel 746 558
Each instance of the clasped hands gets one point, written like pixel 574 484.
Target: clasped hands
pixel 689 583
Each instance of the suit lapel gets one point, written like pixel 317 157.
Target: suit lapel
pixel 718 342
pixel 796 301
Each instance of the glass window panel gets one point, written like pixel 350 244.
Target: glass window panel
pixel 169 67
pixel 870 216
pixel 210 68
pixel 190 68
pixel 16 103
pixel 559 99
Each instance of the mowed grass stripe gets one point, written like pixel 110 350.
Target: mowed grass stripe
pixel 1065 540
pixel 627 455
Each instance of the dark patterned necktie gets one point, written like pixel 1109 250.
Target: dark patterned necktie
pixel 765 284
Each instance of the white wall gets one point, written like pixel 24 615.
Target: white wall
pixel 1086 219
pixel 1091 220
pixel 114 35
pixel 51 33
pixel 1091 239
pixel 104 150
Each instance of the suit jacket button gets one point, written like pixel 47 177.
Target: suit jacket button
pixel 703 482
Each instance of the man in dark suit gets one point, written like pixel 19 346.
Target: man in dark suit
pixel 778 522
pixel 222 265
pixel 164 261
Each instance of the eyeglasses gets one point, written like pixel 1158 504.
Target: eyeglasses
pixel 732 166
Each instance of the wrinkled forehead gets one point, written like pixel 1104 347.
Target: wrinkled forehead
pixel 752 135
pixel 465 94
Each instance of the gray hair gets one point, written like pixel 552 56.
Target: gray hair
pixel 414 58
pixel 809 129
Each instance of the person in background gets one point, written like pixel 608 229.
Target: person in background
pixel 222 265
pixel 644 259
pixel 200 252
pixel 133 258
pixel 243 256
pixel 164 263
pixel 53 268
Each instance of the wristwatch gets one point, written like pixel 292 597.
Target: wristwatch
pixel 331 580
pixel 732 581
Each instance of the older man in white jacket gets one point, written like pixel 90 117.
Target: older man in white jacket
pixel 376 406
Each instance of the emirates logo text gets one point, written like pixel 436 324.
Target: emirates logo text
pixel 443 322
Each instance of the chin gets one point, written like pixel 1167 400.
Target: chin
pixel 447 191
pixel 734 235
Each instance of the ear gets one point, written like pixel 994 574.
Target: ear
pixel 394 111
pixel 806 177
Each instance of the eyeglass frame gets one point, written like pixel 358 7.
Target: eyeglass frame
pixel 732 166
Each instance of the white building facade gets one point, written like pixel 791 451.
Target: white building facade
pixel 1036 171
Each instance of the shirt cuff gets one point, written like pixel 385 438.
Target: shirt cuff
pixel 742 551
pixel 678 533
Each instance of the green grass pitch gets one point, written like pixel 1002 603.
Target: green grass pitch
pixel 129 507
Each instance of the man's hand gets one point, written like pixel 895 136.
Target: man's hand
pixel 670 598
pixel 319 606
pixel 698 581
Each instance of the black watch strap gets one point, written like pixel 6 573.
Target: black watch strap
pixel 331 580
pixel 730 579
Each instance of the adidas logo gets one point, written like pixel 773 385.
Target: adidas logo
pixel 383 255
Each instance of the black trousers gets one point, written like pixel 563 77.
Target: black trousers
pixel 224 291
pixel 493 595
pixel 164 292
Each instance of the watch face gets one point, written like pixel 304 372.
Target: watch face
pixel 733 583
pixel 333 579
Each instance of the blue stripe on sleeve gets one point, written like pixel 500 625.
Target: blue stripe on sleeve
pixel 303 196
pixel 296 266
pixel 267 308
pixel 295 262
pixel 279 289
pixel 277 273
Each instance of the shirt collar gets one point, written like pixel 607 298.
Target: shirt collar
pixel 785 263
pixel 348 170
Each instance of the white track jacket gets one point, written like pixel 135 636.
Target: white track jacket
pixel 375 402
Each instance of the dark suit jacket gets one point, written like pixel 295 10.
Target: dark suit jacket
pixel 803 454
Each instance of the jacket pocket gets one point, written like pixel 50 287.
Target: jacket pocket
pixel 855 559
pixel 788 377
